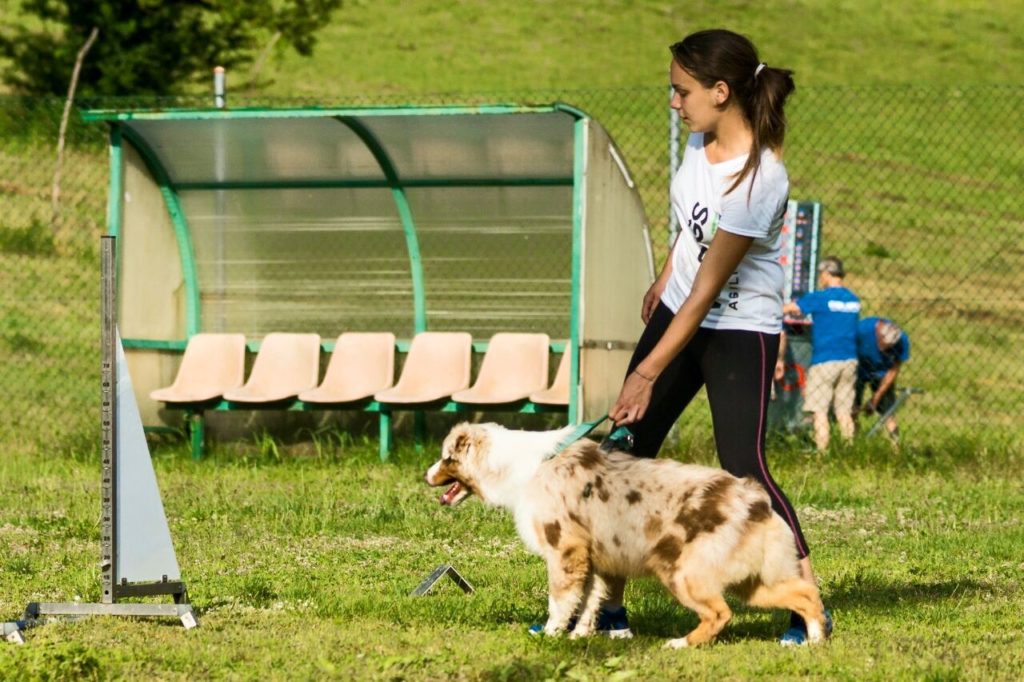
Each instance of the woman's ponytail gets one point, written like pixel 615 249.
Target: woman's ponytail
pixel 767 113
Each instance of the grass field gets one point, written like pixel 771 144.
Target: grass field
pixel 300 563
pixel 474 46
pixel 479 46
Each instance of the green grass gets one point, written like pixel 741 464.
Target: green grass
pixel 300 563
pixel 474 46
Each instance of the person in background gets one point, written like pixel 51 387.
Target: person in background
pixel 831 379
pixel 882 349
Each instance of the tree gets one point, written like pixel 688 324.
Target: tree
pixel 149 47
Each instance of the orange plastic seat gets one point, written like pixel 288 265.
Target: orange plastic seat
pixel 361 364
pixel 286 365
pixel 514 366
pixel 211 365
pixel 437 365
pixel 558 392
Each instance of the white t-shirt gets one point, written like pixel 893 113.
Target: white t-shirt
pixel 752 298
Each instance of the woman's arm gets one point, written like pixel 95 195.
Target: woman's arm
pixel 720 262
pixel 654 292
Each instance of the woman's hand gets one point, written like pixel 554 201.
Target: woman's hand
pixel 651 299
pixel 633 400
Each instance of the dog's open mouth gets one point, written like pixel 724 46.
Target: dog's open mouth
pixel 455 493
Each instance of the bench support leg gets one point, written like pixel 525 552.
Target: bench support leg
pixel 197 428
pixel 385 435
pixel 419 430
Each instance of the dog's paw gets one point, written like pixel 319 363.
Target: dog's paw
pixel 580 633
pixel 815 633
pixel 678 643
pixel 553 629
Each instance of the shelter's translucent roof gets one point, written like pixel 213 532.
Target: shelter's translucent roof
pixel 365 219
pixel 353 147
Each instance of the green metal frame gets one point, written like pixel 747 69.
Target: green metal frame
pixel 579 179
pixel 93 115
pixel 115 193
pixel 115 189
pixel 412 243
pixel 349 117
pixel 553 181
pixel 182 233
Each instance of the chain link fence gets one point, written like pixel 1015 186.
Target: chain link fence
pixel 920 191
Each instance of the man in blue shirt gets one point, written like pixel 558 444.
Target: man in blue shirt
pixel 834 310
pixel 882 348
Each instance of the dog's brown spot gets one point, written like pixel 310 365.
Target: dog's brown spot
pixel 575 518
pixel 587 488
pixel 759 511
pixel 653 527
pixel 668 549
pixel 575 565
pixel 708 515
pixel 717 490
pixel 746 587
pixel 461 443
pixel 633 497
pixel 616 541
pixel 599 481
pixel 599 546
pixel 552 533
pixel 590 458
pixel 602 492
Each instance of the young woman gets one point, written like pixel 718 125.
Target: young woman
pixel 714 314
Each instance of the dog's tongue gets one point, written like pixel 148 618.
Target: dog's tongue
pixel 451 493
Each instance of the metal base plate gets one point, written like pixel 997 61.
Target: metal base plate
pixel 38 613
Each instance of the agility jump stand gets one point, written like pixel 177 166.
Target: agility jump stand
pixel 137 556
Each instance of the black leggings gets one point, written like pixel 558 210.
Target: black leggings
pixel 737 368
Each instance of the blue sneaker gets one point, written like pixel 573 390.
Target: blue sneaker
pixel 796 635
pixel 613 624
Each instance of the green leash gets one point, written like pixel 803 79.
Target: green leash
pixel 574 435
pixel 582 430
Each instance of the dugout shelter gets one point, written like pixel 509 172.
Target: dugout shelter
pixel 478 219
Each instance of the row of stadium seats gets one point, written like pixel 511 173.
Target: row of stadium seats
pixel 361 366
pixel 285 374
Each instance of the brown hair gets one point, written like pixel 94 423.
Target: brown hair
pixel 720 55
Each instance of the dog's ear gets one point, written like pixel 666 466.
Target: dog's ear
pixel 459 442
